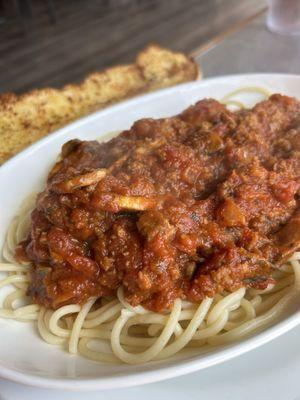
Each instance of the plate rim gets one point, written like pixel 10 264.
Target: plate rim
pixel 122 380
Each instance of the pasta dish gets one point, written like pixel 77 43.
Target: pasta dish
pixel 180 232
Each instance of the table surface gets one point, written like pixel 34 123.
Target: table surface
pixel 272 371
pixel 251 49
pixel 94 34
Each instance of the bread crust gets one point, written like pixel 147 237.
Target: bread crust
pixel 26 118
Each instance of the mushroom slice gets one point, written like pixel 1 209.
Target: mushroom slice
pixel 87 179
pixel 133 203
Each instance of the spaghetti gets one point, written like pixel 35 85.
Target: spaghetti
pixel 112 330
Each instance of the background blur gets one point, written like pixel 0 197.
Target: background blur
pixel 53 42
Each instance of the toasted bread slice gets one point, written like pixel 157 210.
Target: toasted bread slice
pixel 28 117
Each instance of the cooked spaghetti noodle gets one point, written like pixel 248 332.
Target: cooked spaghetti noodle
pixel 229 99
pixel 111 330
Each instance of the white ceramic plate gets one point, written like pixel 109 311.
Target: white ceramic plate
pixel 24 357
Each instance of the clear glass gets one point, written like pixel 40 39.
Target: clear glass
pixel 284 16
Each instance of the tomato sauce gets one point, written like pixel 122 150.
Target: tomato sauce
pixel 189 206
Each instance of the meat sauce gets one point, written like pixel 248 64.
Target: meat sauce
pixel 189 206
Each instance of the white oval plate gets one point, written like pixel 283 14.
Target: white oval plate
pixel 24 357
